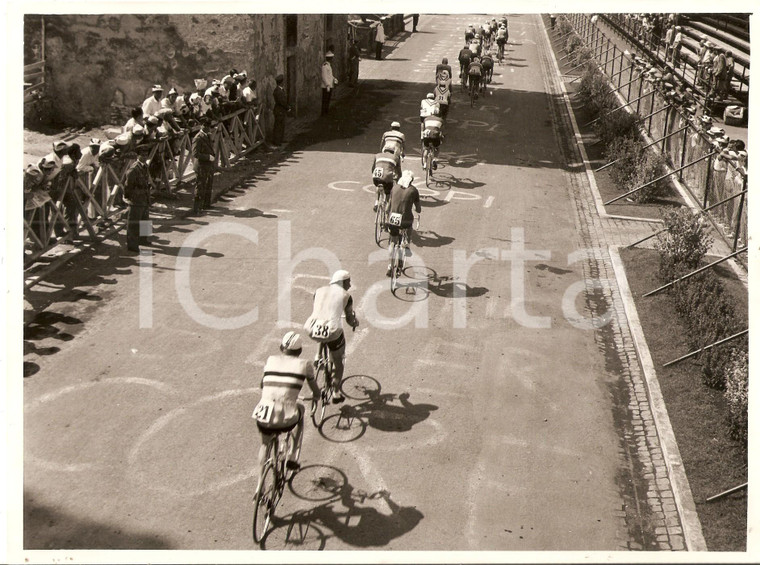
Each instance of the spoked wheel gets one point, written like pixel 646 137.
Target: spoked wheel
pixel 429 168
pixel 263 505
pixel 379 222
pixel 320 400
pixel 394 269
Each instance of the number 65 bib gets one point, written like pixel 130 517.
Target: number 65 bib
pixel 394 219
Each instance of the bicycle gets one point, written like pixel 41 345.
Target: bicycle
pixel 474 87
pixel 500 53
pixel 381 217
pixel 398 253
pixel 323 376
pixel 427 162
pixel 275 475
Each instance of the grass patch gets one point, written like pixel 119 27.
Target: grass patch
pixel 712 461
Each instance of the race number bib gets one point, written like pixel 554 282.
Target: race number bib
pixel 395 219
pixel 320 329
pixel 263 412
pixel 377 173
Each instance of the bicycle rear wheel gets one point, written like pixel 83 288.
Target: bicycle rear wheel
pixel 320 402
pixel 394 268
pixel 263 505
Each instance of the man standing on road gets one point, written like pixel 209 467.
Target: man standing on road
pixel 137 196
pixel 354 56
pixel 328 82
pixel 281 109
pixel 379 40
pixel 204 164
pixel 415 21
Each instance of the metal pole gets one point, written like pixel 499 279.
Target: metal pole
pixel 659 178
pixel 683 148
pixel 642 240
pixel 665 130
pixel 726 492
pixel 739 215
pixel 621 71
pixel 638 100
pixel 698 351
pixel 630 80
pixel 683 278
pixel 707 182
pixel 611 111
pixel 651 113
pixel 621 86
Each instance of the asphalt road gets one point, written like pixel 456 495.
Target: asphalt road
pixel 481 410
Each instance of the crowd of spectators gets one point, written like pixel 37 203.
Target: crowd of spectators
pixel 158 118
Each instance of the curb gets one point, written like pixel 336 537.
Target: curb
pixel 687 511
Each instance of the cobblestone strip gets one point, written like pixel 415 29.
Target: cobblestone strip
pixel 652 513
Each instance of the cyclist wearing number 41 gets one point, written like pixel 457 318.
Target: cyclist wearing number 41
pixel 279 411
pixel 324 325
pixel 404 197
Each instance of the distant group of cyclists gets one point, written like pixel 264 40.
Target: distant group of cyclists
pixel 475 59
pixel 278 410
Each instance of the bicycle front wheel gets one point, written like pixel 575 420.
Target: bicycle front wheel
pixel 428 168
pixel 263 504
pixel 394 269
pixel 379 221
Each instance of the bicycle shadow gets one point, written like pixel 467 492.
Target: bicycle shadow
pixel 351 515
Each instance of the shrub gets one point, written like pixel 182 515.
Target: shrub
pixel 650 166
pixel 564 26
pixel 594 92
pixel 572 43
pixel 627 152
pixel 737 381
pixel 617 124
pixel 581 55
pixel 683 244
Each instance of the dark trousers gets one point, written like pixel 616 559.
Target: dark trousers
pixel 415 20
pixel 204 177
pixel 378 50
pixel 326 94
pixel 278 131
pixel 136 214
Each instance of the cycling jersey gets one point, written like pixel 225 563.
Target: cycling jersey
pixel 465 55
pixel 330 302
pixel 432 133
pixel 443 73
pixel 284 376
pixel 442 95
pixel 501 34
pixel 402 202
pixel 385 169
pixel 428 108
pixel 393 140
pixel 475 69
pixel 487 62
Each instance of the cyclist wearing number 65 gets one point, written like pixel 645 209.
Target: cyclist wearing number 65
pixel 404 197
pixel 279 411
pixel 325 326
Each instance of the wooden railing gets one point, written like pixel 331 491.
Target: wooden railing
pixel 89 202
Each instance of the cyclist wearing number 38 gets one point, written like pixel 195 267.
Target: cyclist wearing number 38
pixel 279 411
pixel 325 326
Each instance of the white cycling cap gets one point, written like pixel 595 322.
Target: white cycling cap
pixel 339 276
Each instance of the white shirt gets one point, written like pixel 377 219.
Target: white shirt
pixel 428 108
pixel 380 33
pixel 88 162
pixel 249 94
pixel 328 81
pixel 151 106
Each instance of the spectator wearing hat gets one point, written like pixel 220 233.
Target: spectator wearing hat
pixel 725 87
pixel 379 40
pixel 89 160
pixel 328 81
pixel 204 164
pixel 173 102
pixel 152 104
pixel 137 196
pixel 677 45
pixel 669 36
pixel 281 110
pixel 60 149
pixel 248 95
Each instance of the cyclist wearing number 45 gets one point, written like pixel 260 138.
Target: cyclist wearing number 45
pixel 324 325
pixel 279 411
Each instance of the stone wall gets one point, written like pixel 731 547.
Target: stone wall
pixel 94 62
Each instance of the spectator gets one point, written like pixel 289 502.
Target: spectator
pixel 152 104
pixel 725 88
pixel 60 149
pixel 281 109
pixel 718 74
pixel 233 88
pixel 677 48
pixel 137 196
pixel 354 56
pixel 249 96
pixel 204 164
pixel 89 160
pixel 669 36
pixel 415 21
pixel 173 102
pixel 379 40
pixel 328 82
pixel 137 118
pixel 552 20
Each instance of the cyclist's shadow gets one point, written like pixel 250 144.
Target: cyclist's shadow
pixel 380 414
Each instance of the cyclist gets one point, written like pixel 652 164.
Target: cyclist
pixel 404 197
pixel 469 33
pixel 432 136
pixel 279 410
pixel 443 97
pixel 465 56
pixel 394 140
pixel 475 72
pixel 428 107
pixel 386 169
pixel 501 39
pixel 487 34
pixel 487 62
pixel 324 325
pixel 476 47
pixel 443 73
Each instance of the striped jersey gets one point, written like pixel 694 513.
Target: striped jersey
pixel 284 376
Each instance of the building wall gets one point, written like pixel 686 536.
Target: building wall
pixel 96 61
